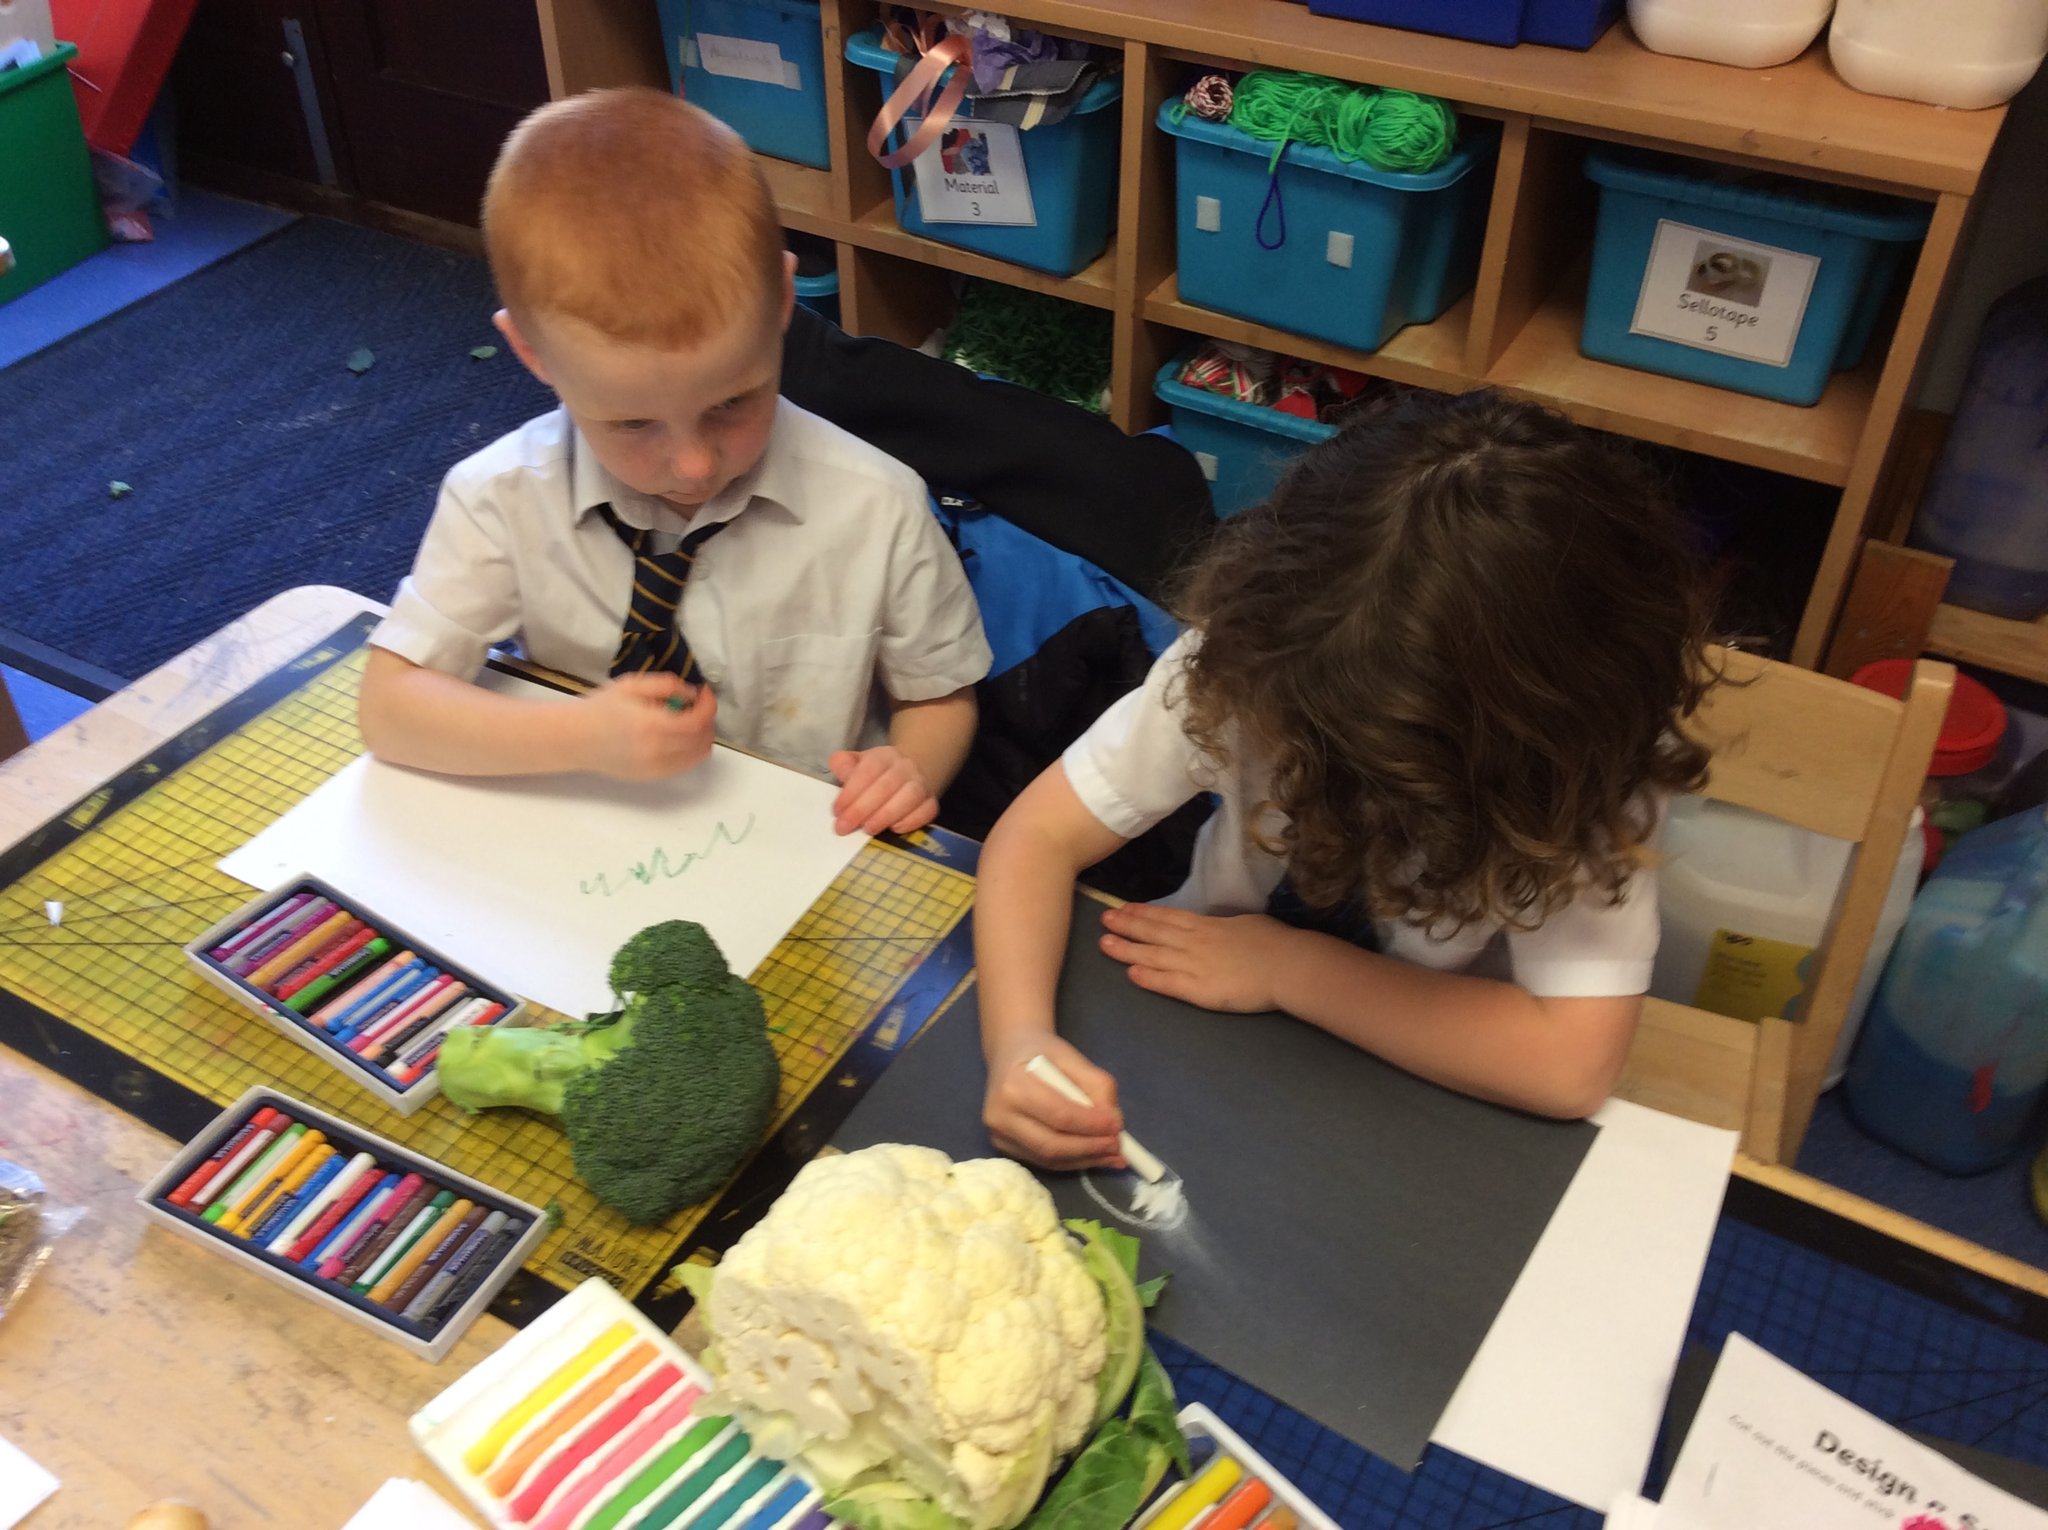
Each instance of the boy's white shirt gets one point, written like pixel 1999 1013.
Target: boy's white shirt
pixel 833 589
pixel 1137 764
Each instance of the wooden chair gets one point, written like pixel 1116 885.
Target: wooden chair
pixel 1825 755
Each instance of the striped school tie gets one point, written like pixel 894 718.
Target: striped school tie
pixel 652 638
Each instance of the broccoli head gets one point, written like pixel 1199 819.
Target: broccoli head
pixel 663 1099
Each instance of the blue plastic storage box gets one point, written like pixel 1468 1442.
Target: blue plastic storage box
pixel 1560 23
pixel 1364 251
pixel 758 65
pixel 1242 448
pixel 1708 311
pixel 1071 166
pixel 820 294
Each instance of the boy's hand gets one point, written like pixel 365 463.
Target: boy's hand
pixel 1224 962
pixel 636 735
pixel 1027 1118
pixel 880 788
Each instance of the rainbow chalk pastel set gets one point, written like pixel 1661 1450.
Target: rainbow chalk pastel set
pixel 350 987
pixel 403 1245
pixel 593 1418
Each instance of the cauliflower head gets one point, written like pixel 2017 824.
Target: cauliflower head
pixel 895 1311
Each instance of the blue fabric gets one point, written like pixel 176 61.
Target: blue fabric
pixel 1029 589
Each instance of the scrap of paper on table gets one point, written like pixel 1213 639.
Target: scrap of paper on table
pixel 536 881
pixel 23 1485
pixel 1567 1391
pixel 404 1504
pixel 1771 1449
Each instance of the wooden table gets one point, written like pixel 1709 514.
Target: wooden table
pixel 139 1366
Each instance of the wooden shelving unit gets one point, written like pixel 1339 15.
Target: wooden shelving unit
pixel 1519 328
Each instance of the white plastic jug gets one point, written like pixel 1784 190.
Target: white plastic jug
pixel 1967 53
pixel 1752 34
pixel 1744 901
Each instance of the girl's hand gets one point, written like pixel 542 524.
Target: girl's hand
pixel 1226 962
pixel 880 788
pixel 1027 1118
pixel 635 734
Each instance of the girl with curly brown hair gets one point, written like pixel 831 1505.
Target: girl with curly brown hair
pixel 1438 685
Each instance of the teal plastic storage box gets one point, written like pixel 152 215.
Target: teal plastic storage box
pixel 1070 169
pixel 1242 448
pixel 1360 252
pixel 820 294
pixel 756 64
pixel 1766 287
pixel 49 211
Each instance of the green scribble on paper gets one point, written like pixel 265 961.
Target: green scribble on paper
pixel 361 359
pixel 658 867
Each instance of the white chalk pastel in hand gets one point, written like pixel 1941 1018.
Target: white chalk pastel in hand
pixel 1148 1166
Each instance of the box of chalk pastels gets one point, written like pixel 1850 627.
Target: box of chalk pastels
pixel 348 986
pixel 591 1415
pixel 1232 1486
pixel 394 1241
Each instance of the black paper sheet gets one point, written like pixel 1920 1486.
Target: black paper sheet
pixel 1352 1230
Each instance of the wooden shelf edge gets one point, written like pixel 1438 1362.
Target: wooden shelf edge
pixel 803 195
pixel 1422 355
pixel 877 229
pixel 1617 84
pixel 2012 648
pixel 1816 442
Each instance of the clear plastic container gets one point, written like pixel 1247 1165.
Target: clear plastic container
pixel 1953 1062
pixel 1966 53
pixel 1750 34
pixel 1745 900
pixel 1987 503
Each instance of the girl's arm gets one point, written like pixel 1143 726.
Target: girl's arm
pixel 1495 1041
pixel 1022 907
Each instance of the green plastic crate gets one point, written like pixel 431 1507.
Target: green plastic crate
pixel 49 211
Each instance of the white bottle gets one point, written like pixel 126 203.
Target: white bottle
pixel 1966 53
pixel 1744 901
pixel 1751 34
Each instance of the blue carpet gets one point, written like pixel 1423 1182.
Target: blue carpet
pixel 202 229
pixel 256 460
pixel 1992 1208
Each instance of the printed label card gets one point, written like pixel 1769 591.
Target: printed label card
pixel 1715 293
pixel 974 174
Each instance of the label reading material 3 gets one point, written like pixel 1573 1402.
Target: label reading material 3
pixel 973 174
pixel 1715 293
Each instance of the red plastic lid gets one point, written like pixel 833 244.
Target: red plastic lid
pixel 1969 733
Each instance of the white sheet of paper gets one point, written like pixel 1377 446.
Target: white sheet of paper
pixel 1568 1386
pixel 1771 1449
pixel 403 1504
pixel 1632 1513
pixel 534 882
pixel 23 1485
